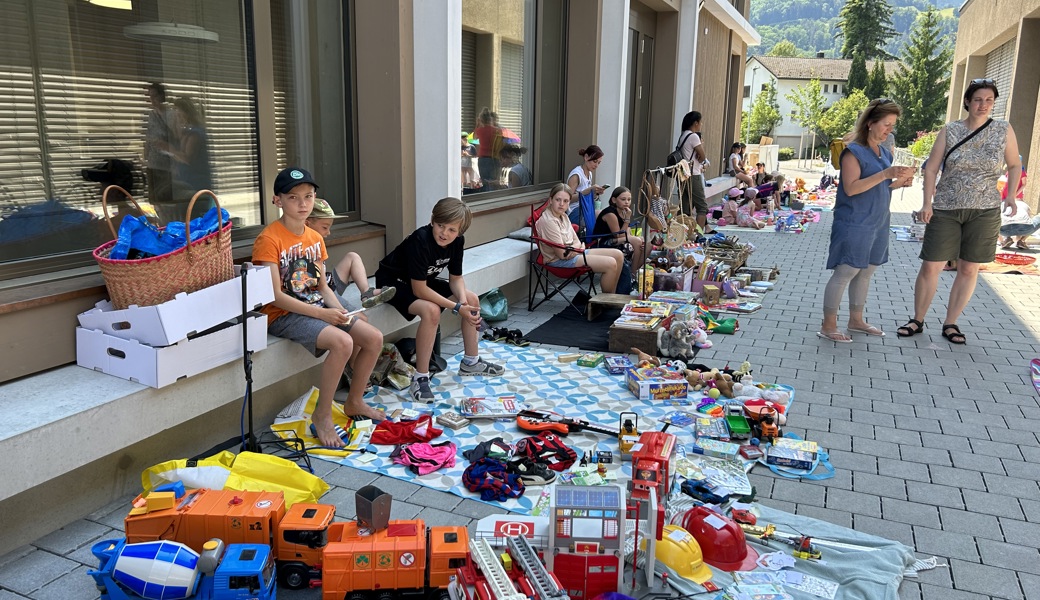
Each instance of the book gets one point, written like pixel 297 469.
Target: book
pixel 744 307
pixel 638 321
pixel 647 307
pixel 492 407
pixel 452 420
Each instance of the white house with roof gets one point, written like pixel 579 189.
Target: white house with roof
pixel 787 73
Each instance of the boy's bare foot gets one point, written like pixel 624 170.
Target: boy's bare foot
pixel 363 410
pixel 326 434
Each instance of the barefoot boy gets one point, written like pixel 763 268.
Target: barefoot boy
pixel 413 267
pixel 306 310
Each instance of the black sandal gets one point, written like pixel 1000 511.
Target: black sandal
pixel 910 332
pixel 956 334
pixel 516 338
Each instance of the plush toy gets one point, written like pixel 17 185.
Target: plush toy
pixel 741 390
pixel 676 342
pixel 643 357
pixel 700 339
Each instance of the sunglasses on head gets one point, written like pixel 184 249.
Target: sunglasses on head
pixel 982 82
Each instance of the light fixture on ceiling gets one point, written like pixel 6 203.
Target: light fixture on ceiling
pixel 169 32
pixel 119 4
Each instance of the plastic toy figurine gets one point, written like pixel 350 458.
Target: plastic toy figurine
pixel 805 550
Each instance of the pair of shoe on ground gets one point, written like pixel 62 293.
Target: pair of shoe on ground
pixel 509 336
pixel 420 389
pixel 530 472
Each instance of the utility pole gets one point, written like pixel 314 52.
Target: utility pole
pixel 751 106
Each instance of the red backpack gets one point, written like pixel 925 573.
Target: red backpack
pixel 546 448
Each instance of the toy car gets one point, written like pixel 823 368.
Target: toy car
pixel 698 490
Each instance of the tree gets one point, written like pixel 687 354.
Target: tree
pixel 765 113
pixel 923 77
pixel 865 26
pixel 840 118
pixel 783 48
pixel 808 105
pixel 857 75
pixel 876 83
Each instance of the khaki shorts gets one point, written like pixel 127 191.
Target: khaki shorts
pixel 693 201
pixel 968 234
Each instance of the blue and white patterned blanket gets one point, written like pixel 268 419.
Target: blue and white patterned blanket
pixel 536 377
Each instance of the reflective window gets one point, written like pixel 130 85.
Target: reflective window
pixel 512 92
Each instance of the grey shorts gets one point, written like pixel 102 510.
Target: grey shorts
pixel 304 330
pixel 968 234
pixel 337 284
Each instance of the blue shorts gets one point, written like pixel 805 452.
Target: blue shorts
pixel 565 263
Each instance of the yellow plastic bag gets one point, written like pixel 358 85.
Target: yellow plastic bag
pixel 247 471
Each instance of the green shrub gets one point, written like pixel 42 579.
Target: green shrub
pixel 785 154
pixel 922 146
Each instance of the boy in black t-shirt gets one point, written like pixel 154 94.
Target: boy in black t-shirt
pixel 413 267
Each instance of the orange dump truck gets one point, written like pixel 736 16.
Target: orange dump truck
pixel 296 535
pixel 403 560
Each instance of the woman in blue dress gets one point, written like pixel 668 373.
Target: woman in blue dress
pixel 859 234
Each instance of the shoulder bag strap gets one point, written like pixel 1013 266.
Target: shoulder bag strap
pixel 682 140
pixel 942 167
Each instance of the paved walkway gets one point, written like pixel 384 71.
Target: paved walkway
pixel 934 445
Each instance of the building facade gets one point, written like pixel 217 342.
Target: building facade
pixel 372 96
pixel 996 42
pixel 788 73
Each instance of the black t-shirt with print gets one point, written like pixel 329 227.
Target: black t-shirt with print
pixel 420 257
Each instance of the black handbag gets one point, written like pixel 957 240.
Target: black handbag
pixel 676 155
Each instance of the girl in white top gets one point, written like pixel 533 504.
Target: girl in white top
pixel 554 226
pixel 736 164
pixel 580 178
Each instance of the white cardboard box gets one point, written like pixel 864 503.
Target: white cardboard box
pixel 172 321
pixel 158 367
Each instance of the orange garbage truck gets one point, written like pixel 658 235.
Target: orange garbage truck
pixel 297 535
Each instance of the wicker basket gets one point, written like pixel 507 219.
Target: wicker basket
pixel 734 258
pixel 150 281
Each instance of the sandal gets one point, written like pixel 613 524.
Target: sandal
pixel 1022 245
pixel 496 334
pixel 835 336
pixel 516 338
pixel 906 331
pixel 960 339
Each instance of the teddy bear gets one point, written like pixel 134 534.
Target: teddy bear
pixel 677 342
pixel 700 339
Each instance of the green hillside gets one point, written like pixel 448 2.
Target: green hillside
pixel 810 24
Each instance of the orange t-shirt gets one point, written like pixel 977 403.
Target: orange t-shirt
pixel 298 258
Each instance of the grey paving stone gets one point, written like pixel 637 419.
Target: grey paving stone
pixel 947 544
pixel 925 455
pixel 957 477
pixel 1014 436
pixel 795 492
pixel 900 532
pixel 838 517
pixel 850 428
pixel 875 447
pixel 33 571
pixel 873 418
pixel 84 556
pixel 1020 532
pixel 975 462
pixel 7 595
pixel 350 478
pixel 854 502
pixel 956 428
pixel 778 504
pixel 998 449
pixel 937 495
pixel 1010 556
pixel 1022 470
pixel 15 554
pixel 946 442
pixel 70 586
pixel 70 537
pixel 984 579
pixel 842 479
pixel 996 505
pixel 972 523
pixel 909 590
pixel 435 498
pixel 475 510
pixel 1029 583
pixel 879 485
pixel 833 441
pixel 912 513
pixel 405 510
pixel 852 461
pixel 902 469
pixel 344 500
pixel 400 490
pixel 434 517
pixel 934 592
pixel 898 436
pixel 1011 486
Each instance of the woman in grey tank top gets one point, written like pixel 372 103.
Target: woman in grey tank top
pixel 963 210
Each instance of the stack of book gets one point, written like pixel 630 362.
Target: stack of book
pixel 643 314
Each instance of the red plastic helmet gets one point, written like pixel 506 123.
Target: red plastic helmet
pixel 721 540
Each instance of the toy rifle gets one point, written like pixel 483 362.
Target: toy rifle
pixel 543 420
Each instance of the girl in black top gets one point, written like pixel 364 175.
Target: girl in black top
pixel 614 219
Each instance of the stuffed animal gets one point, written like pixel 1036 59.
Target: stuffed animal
pixel 643 357
pixel 741 390
pixel 700 339
pixel 676 342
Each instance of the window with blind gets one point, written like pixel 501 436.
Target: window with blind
pixel 160 98
pixel 1000 63
pixel 511 107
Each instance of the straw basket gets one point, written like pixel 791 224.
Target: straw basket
pixel 149 281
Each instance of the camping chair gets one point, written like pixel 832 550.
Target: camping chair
pixel 548 281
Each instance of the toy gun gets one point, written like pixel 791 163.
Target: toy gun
pixel 543 420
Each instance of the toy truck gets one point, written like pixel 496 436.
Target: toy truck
pixel 516 575
pixel 296 535
pixel 652 468
pixel 168 570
